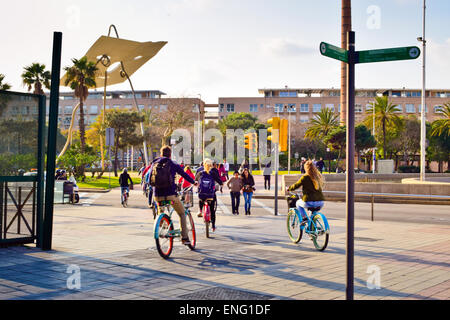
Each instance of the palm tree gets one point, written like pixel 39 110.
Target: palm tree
pixel 35 75
pixel 80 77
pixel 385 115
pixel 442 126
pixel 4 86
pixel 322 124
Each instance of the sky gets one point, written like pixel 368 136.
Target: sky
pixel 232 48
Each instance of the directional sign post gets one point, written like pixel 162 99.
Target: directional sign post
pixel 393 54
pixel 352 57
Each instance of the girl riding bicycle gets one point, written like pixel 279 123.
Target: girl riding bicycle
pixel 207 189
pixel 312 183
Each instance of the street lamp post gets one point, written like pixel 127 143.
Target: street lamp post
pixel 423 124
pixel 329 160
pixel 374 148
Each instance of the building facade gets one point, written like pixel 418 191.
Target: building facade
pixel 303 104
pixel 146 100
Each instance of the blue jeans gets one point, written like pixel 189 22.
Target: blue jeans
pixel 122 189
pixel 301 206
pixel 248 200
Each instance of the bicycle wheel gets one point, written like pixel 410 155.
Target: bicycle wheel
pixel 191 230
pixel 215 204
pixel 163 238
pixel 293 226
pixel 155 210
pixel 125 201
pixel 207 218
pixel 320 233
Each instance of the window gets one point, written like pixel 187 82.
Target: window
pixel 410 108
pixel 438 109
pixel 60 110
pixel 420 108
pixel 358 108
pixel 261 106
pixel 416 94
pixel 399 107
pixel 339 107
pixel 141 107
pixel 162 108
pixel 116 106
pixel 128 106
pixel 330 106
pixel 292 108
pixel 253 108
pixel 107 107
pixel 68 109
pixel 396 94
pixel 317 107
pixel 304 119
pixel 304 107
pixel 230 107
pixel 94 110
pixel 196 108
pixel 278 107
pixel 221 107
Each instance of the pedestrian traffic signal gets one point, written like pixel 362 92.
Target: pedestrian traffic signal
pixel 248 140
pixel 284 127
pixel 274 130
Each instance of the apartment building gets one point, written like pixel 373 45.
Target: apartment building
pixel 146 100
pixel 303 104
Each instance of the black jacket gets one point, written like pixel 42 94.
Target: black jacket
pixel 123 180
pixel 248 182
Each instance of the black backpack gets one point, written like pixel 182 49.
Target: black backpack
pixel 161 178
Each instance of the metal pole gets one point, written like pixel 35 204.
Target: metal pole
pixel 423 123
pixel 51 144
pixel 289 140
pixel 374 148
pixel 277 164
pixel 350 188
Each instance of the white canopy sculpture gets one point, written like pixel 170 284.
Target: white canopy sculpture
pixel 117 59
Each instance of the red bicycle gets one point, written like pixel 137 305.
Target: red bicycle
pixel 207 215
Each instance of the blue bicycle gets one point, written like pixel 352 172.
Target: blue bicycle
pixel 316 226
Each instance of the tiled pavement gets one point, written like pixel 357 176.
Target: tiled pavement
pixel 248 258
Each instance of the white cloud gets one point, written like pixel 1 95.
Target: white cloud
pixel 285 48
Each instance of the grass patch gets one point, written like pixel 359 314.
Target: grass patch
pixel 103 183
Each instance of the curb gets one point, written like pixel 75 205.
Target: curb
pixel 93 190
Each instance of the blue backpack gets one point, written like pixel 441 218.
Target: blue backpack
pixel 206 185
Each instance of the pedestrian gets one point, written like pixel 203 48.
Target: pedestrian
pixel 244 166
pixel 235 185
pixel 267 175
pixel 226 166
pixel 162 178
pixel 207 189
pixel 223 175
pixel 302 166
pixel 248 189
pixel 320 165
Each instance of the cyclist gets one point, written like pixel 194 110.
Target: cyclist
pixel 312 183
pixel 207 189
pixel 162 178
pixel 123 180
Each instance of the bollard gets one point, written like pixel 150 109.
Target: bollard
pixel 373 200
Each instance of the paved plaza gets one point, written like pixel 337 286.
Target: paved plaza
pixel 248 258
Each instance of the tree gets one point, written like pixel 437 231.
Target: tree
pixel 74 161
pixel 442 126
pixel 4 86
pixel 404 138
pixel 80 77
pixel 36 75
pixel 321 124
pixel 364 140
pixel 385 115
pixel 242 120
pixel 124 124
pixel 337 138
pixel 438 148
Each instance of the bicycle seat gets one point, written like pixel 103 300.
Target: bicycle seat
pixel 210 199
pixel 315 209
pixel 165 203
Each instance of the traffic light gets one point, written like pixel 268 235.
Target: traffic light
pixel 248 141
pixel 254 143
pixel 284 127
pixel 274 129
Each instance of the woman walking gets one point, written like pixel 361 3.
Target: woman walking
pixel 223 174
pixel 235 185
pixel 248 189
pixel 267 174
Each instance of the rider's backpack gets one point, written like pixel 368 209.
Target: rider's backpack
pixel 207 185
pixel 161 178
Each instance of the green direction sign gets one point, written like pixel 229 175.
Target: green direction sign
pixel 393 54
pixel 334 52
